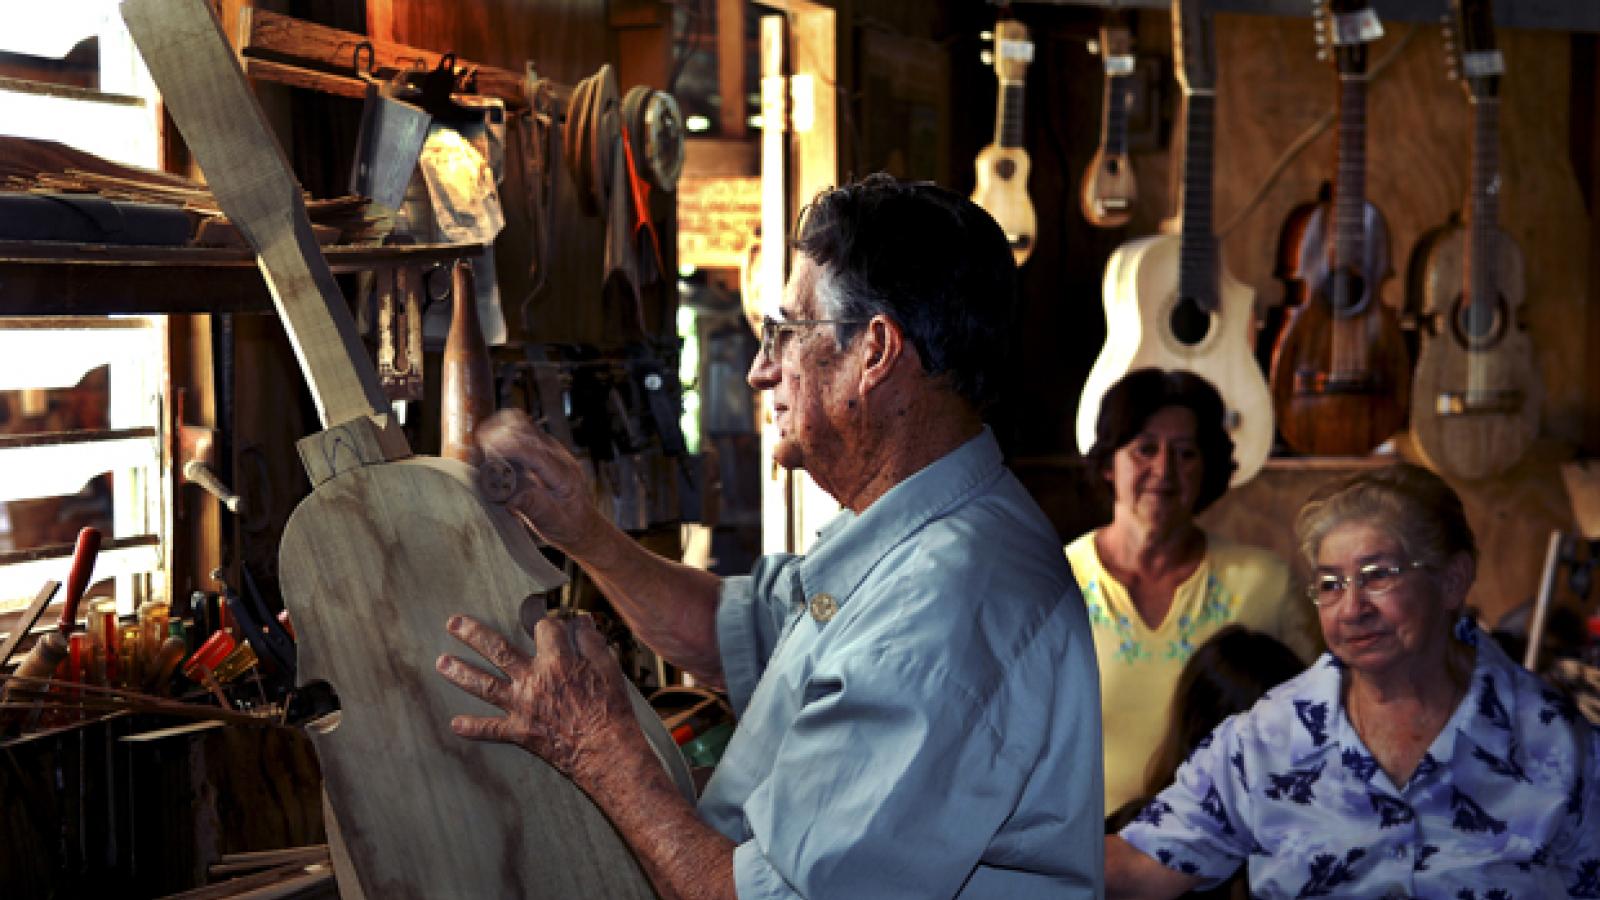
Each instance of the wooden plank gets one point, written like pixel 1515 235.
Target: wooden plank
pixel 730 67
pixel 265 32
pixel 310 79
pixel 205 91
pixel 29 618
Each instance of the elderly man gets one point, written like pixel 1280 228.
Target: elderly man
pixel 917 697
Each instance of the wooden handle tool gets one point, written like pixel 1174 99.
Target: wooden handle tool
pixel 51 649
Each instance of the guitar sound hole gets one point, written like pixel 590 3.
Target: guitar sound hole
pixel 1348 294
pixel 1006 168
pixel 1190 322
pixel 1113 165
pixel 1479 325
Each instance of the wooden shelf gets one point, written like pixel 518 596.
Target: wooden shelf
pixel 45 278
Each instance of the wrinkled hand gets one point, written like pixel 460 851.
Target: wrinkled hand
pixel 566 704
pixel 553 492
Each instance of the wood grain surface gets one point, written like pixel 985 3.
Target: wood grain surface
pixel 379 558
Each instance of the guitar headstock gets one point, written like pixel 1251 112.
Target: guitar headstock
pixel 1344 28
pixel 1012 50
pixel 1193 50
pixel 1116 49
pixel 1470 52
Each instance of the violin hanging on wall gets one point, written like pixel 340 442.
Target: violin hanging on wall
pixel 1109 187
pixel 1341 377
pixel 1003 165
pixel 1169 302
pixel 1476 394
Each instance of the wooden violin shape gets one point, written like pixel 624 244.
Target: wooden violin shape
pixel 1003 166
pixel 1109 187
pixel 1169 302
pixel 1341 376
pixel 1476 394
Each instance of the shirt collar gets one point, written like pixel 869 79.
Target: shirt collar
pixel 1322 723
pixel 850 545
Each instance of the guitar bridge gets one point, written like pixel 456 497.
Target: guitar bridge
pixel 1478 403
pixel 1317 383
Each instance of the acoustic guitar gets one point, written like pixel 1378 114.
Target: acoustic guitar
pixel 1109 187
pixel 1002 167
pixel 1169 302
pixel 386 547
pixel 1476 393
pixel 1341 377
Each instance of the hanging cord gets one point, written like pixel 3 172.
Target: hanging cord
pixel 1305 140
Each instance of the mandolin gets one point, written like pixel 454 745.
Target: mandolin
pixel 1169 302
pixel 387 546
pixel 1109 187
pixel 1475 396
pixel 1340 372
pixel 1003 165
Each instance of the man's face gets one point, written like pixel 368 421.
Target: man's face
pixel 808 377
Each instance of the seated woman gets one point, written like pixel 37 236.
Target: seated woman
pixel 1157 585
pixel 1225 676
pixel 1414 759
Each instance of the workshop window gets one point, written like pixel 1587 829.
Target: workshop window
pixel 82 399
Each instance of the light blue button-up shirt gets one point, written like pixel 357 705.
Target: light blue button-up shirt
pixel 937 736
pixel 1505 804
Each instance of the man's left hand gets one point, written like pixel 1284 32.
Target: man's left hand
pixel 566 704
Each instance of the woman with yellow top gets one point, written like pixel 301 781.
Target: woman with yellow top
pixel 1157 585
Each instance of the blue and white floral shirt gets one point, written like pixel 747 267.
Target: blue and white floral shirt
pixel 1505 803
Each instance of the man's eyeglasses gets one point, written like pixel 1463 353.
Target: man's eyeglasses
pixel 1373 579
pixel 775 333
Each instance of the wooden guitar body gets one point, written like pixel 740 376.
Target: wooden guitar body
pixel 1002 190
pixel 1109 189
pixel 1140 295
pixel 1474 403
pixel 375 560
pixel 1322 408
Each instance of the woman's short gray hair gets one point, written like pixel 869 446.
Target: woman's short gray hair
pixel 1414 505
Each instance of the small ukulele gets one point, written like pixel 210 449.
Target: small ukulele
pixel 1169 302
pixel 1003 165
pixel 1109 187
pixel 1476 394
pixel 1341 377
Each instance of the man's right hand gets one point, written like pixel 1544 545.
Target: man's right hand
pixel 553 493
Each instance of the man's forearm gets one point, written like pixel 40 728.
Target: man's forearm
pixel 685 858
pixel 670 606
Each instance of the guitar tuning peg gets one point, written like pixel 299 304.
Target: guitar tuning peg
pixel 987 56
pixel 1323 55
pixel 986 35
pixel 1094 46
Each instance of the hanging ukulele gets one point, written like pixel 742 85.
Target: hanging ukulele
pixel 1109 187
pixel 1476 395
pixel 1169 302
pixel 1340 374
pixel 1003 165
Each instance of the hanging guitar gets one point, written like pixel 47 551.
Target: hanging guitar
pixel 1476 393
pixel 1109 187
pixel 1169 302
pixel 1341 377
pixel 385 548
pixel 1003 165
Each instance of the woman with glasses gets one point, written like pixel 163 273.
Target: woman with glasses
pixel 1415 759
pixel 1157 585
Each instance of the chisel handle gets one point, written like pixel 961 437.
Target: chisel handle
pixel 83 557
